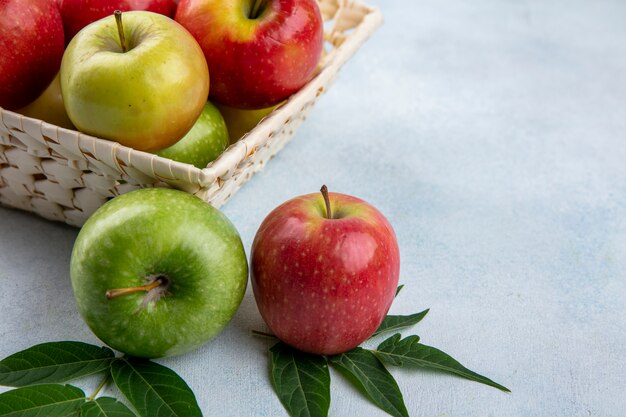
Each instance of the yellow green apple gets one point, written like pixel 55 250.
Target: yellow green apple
pixel 49 106
pixel 141 80
pixel 241 121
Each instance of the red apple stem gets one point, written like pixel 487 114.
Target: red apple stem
pixel 257 9
pixel 324 191
pixel 120 30
pixel 117 292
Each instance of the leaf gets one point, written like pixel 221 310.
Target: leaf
pixel 105 407
pixel 301 381
pixel 398 322
pixel 53 362
pixel 399 289
pixel 395 351
pixel 366 371
pixel 46 400
pixel 154 390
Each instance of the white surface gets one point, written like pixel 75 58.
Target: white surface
pixel 492 135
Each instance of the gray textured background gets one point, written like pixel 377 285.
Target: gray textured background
pixel 493 136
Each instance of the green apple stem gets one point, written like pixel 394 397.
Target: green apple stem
pixel 324 191
pixel 120 30
pixel 117 292
pixel 257 8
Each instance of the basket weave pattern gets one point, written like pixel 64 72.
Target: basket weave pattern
pixel 65 175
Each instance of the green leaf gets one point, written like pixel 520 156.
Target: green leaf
pixel 105 407
pixel 53 362
pixel 154 390
pixel 370 376
pixel 391 323
pixel 301 381
pixel 395 351
pixel 48 400
pixel 399 289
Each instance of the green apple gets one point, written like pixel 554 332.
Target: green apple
pixel 157 272
pixel 141 82
pixel 206 140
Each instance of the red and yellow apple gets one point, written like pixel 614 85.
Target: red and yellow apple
pixel 259 51
pixel 324 271
pixel 31 47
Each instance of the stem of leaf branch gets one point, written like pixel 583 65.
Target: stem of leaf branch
pixel 102 384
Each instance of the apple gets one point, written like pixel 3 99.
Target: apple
pixel 49 106
pixel 259 51
pixel 142 83
pixel 324 271
pixel 31 47
pixel 77 14
pixel 206 140
pixel 157 272
pixel 241 121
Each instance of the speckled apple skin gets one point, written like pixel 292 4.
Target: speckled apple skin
pixel 31 48
pixel 255 63
pixel 324 285
pixel 158 231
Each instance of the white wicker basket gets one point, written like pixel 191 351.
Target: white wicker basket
pixel 65 175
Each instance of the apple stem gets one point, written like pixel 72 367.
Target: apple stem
pixel 117 292
pixel 256 9
pixel 324 191
pixel 120 30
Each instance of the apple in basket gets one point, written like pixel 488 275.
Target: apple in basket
pixel 259 51
pixel 157 272
pixel 138 78
pixel 241 121
pixel 77 14
pixel 31 47
pixel 49 106
pixel 206 140
pixel 324 271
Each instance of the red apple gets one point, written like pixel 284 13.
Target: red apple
pixel 324 283
pixel 79 13
pixel 31 48
pixel 259 51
